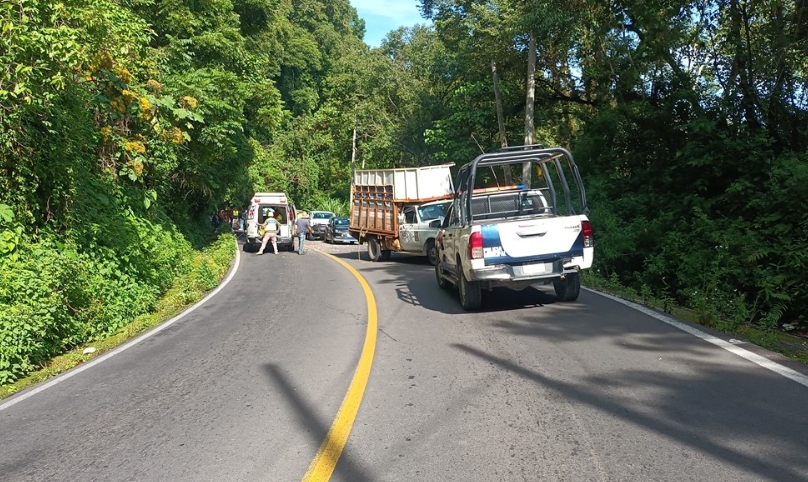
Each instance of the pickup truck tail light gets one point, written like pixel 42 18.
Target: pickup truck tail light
pixel 476 245
pixel 589 234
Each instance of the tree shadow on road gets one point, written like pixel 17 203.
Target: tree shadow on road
pixel 717 407
pixel 317 429
pixel 683 409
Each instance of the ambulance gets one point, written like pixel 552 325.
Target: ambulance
pixel 277 205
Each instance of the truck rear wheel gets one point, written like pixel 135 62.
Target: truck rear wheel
pixel 374 249
pixel 569 288
pixel 471 295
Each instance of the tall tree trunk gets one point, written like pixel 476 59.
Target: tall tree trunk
pixel 530 130
pixel 503 137
pixel 742 65
pixel 353 152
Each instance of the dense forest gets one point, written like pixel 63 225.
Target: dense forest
pixel 125 123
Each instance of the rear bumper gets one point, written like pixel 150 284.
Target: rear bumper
pixel 506 273
pixel 347 240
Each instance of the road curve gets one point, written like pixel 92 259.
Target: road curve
pixel 243 388
pixel 246 387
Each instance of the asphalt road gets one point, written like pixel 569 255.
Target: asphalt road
pixel 245 388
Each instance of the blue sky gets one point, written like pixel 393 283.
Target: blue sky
pixel 382 16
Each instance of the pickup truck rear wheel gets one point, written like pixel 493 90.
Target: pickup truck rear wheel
pixel 470 292
pixel 569 288
pixel 432 252
pixel 374 249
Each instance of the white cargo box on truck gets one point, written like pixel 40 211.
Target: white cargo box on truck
pixel 422 184
pixel 387 208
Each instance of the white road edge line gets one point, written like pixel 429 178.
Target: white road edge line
pixel 75 371
pixel 734 349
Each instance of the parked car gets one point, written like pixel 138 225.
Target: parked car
pixel 336 231
pixel 319 221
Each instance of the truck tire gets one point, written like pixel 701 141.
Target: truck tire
pixel 374 249
pixel 471 295
pixel 386 253
pixel 442 283
pixel 569 288
pixel 431 252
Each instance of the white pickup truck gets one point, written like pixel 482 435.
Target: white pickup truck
pixel 533 229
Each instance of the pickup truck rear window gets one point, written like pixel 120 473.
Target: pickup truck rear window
pixel 509 204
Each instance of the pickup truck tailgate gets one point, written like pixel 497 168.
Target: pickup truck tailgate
pixel 533 240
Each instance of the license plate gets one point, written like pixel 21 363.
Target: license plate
pixel 539 268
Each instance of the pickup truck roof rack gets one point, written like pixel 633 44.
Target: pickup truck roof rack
pixel 529 153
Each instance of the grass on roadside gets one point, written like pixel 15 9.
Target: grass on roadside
pixel 793 347
pixel 209 267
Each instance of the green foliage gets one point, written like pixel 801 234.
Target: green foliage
pixel 10 234
pixel 206 268
pixel 122 125
pixel 339 207
pixel 57 295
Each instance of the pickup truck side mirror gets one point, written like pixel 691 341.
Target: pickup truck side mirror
pixel 436 224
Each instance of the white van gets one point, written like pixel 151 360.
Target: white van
pixel 284 212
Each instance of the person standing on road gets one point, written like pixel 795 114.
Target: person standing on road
pixel 302 226
pixel 234 218
pixel 216 221
pixel 270 227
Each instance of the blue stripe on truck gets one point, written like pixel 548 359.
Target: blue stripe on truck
pixel 491 236
pixel 492 242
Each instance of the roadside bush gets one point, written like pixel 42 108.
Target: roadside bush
pixel 707 219
pixel 55 295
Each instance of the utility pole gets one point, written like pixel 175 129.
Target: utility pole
pixel 503 136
